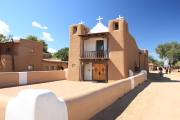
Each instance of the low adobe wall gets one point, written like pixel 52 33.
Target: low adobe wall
pixel 21 78
pixel 9 79
pixel 45 76
pixel 80 106
pixel 85 105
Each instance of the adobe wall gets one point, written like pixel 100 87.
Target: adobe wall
pixel 118 58
pixel 6 63
pixel 75 52
pixel 26 58
pixel 80 106
pixel 45 76
pixel 8 79
pixel 46 55
pixel 132 51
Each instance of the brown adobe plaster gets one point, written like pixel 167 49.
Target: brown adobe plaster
pixel 123 50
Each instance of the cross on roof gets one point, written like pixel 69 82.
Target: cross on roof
pixel 82 22
pixel 120 17
pixel 100 19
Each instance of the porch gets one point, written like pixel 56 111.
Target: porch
pixel 95 54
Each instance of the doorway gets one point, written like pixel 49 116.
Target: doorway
pixel 100 48
pixel 99 72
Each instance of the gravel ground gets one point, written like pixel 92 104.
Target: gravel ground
pixel 156 99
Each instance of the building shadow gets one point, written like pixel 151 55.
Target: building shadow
pixel 117 108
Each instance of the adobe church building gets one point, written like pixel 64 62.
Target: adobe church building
pixel 104 53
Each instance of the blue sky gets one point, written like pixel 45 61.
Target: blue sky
pixel 151 22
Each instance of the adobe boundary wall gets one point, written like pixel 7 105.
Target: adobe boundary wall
pixel 22 78
pixel 81 106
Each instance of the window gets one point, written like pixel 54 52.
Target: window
pixel 46 67
pixel 52 67
pixel 31 50
pixel 116 26
pixel 84 30
pixel 62 68
pixel 8 49
pixel 100 45
pixel 73 65
pixel 31 67
pixel 75 30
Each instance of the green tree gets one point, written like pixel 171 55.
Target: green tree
pixel 30 37
pixel 2 36
pixel 62 54
pixel 45 48
pixel 151 59
pixel 170 51
pixel 160 63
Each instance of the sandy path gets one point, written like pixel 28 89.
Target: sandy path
pixel 156 99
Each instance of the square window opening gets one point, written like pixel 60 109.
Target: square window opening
pixel 31 51
pixel 52 67
pixel 84 30
pixel 116 26
pixel 8 49
pixel 31 67
pixel 75 30
pixel 47 67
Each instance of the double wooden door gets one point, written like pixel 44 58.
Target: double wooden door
pixel 99 72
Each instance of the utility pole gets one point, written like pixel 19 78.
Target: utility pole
pixel 12 52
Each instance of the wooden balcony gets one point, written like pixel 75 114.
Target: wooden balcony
pixel 95 54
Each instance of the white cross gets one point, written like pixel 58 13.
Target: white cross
pixel 120 17
pixel 81 22
pixel 100 19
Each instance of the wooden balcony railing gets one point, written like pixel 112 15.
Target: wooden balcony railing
pixel 95 54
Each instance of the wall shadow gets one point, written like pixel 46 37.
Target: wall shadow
pixel 114 44
pixel 113 72
pixel 117 108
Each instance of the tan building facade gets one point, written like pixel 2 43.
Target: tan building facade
pixel 104 53
pixel 26 55
pixel 54 64
pixel 152 66
pixel 22 55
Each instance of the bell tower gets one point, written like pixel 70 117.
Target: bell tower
pixel 75 49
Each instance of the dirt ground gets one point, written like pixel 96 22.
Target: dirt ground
pixel 156 99
pixel 60 88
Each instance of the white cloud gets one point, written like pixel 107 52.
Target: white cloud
pixel 4 28
pixel 38 25
pixel 51 50
pixel 16 38
pixel 47 36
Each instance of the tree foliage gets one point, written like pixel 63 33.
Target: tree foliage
pixel 152 60
pixel 170 51
pixel 63 54
pixel 2 36
pixel 30 37
pixel 45 48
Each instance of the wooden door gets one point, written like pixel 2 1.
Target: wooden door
pixel 99 71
